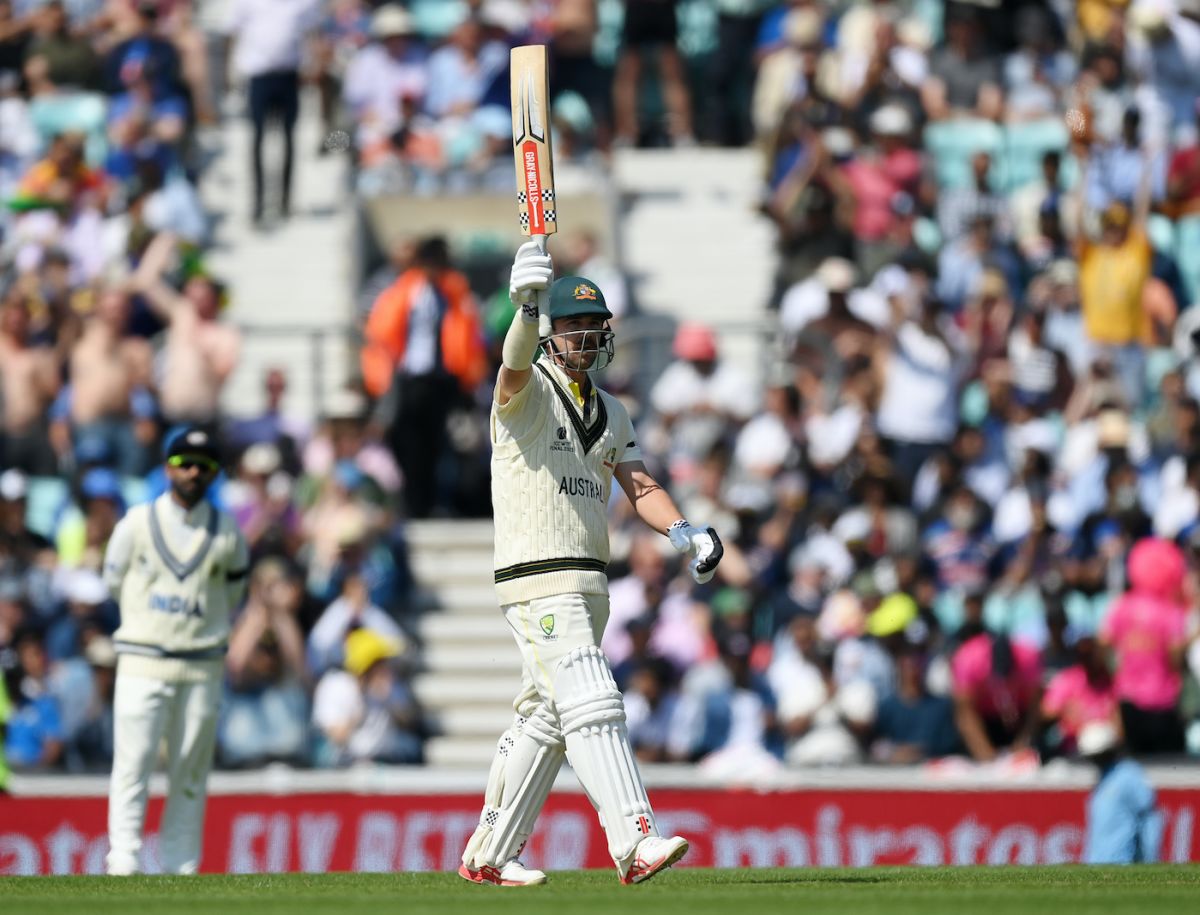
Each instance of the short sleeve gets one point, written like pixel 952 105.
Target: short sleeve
pixel 1058 693
pixel 336 700
pixel 517 419
pixel 965 669
pixel 627 444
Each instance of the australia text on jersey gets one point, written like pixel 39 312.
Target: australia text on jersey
pixel 581 486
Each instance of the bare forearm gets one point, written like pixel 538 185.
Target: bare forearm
pixel 654 506
pixel 970 727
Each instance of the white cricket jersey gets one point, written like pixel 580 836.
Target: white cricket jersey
pixel 177 574
pixel 552 471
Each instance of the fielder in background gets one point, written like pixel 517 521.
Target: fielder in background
pixel 177 566
pixel 1124 825
pixel 558 441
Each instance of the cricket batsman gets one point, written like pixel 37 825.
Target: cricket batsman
pixel 177 567
pixel 557 443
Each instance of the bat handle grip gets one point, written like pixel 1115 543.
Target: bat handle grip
pixel 543 297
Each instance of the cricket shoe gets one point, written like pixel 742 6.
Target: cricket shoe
pixel 653 854
pixel 510 873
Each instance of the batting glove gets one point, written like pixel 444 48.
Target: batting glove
pixel 532 272
pixel 702 544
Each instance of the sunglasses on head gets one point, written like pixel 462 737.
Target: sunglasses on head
pixel 187 462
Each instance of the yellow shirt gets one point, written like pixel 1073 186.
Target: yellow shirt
pixel 1111 281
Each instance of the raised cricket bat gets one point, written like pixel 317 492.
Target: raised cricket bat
pixel 533 153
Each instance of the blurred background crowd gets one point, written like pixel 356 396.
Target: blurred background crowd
pixel 960 496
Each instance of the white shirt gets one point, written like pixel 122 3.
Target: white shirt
pixel 421 353
pixel 374 83
pixel 326 641
pixel 269 33
pixel 681 388
pixel 919 402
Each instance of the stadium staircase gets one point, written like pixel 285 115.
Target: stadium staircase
pixel 693 242
pixel 289 283
pixel 470 664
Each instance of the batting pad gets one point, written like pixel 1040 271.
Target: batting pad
pixel 593 724
pixel 527 760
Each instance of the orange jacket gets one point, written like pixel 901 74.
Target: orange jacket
pixel 463 352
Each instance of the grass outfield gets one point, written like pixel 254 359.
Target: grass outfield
pixel 1064 890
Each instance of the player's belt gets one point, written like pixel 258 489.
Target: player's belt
pixel 542 566
pixel 213 653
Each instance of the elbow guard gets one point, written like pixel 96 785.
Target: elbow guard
pixel 520 343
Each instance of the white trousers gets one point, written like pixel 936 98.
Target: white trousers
pixel 574 620
pixel 146 710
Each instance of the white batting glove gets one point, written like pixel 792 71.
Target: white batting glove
pixel 702 544
pixel 532 271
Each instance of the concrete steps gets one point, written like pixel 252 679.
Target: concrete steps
pixel 693 241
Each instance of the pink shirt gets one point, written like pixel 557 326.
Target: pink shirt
pixel 1075 701
pixel 1143 630
pixel 993 697
pixel 875 182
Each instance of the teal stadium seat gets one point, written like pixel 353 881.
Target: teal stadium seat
pixel 79 112
pixel 44 499
pixel 1187 255
pixel 1023 148
pixel 951 144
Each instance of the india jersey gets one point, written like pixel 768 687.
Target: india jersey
pixel 553 459
pixel 178 576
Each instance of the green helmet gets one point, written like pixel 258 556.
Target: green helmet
pixel 571 296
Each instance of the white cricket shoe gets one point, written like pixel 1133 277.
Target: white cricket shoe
pixel 510 873
pixel 652 854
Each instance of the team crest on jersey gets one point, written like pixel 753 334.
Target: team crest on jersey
pixel 547 624
pixel 561 442
pixel 584 291
pixel 610 459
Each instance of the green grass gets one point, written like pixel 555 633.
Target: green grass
pixel 1161 890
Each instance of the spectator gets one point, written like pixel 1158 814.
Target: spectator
pixel 381 72
pixel 1113 271
pixel 91 747
pixel 997 688
pixel 921 372
pixel 697 394
pixel 1146 631
pixel 964 78
pixel 200 352
pixel 107 399
pixel 29 375
pixel 651 710
pixel 266 713
pixel 651 26
pixel 34 734
pixel 268 37
pixel 366 712
pixel 350 612
pixel 959 208
pixel 1079 695
pixel 1123 826
pixel 424 350
pixel 69 61
pixel 912 725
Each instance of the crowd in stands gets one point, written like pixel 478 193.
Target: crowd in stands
pixel 961 509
